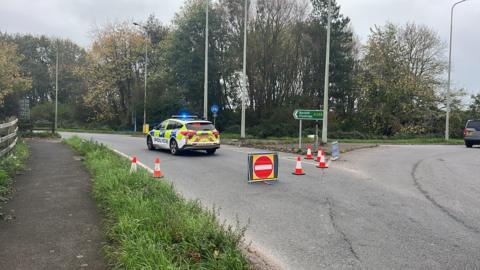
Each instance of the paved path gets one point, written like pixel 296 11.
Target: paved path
pixel 55 223
pixel 390 207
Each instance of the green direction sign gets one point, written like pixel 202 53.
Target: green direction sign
pixel 308 114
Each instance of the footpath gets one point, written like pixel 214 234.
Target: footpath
pixel 52 221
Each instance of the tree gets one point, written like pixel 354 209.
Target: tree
pixel 38 57
pixel 474 108
pixel 12 82
pixel 400 79
pixel 112 74
pixel 343 93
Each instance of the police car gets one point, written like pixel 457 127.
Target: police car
pixel 184 133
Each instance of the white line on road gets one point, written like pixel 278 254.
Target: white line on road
pixel 130 158
pixel 311 163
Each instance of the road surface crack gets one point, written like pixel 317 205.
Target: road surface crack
pixel 344 237
pixel 435 203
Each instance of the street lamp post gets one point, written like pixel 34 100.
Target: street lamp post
pixel 205 86
pixel 56 91
pixel 147 37
pixel 244 77
pixel 447 118
pixel 325 89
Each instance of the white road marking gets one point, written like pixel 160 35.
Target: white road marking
pixel 130 158
pixel 292 158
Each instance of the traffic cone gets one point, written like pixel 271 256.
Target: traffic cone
pixel 319 154
pixel 157 173
pixel 298 168
pixel 133 167
pixel 322 164
pixel 309 152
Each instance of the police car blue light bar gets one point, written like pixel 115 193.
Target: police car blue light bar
pixel 185 116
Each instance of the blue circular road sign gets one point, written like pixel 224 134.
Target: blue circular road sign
pixel 214 109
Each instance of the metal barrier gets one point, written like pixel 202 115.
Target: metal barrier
pixel 8 136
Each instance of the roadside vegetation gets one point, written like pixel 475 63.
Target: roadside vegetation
pixel 149 226
pixel 40 134
pixel 404 141
pixel 9 165
pixel 253 140
pixel 102 131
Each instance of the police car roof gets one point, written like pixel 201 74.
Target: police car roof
pixel 190 120
pixel 197 121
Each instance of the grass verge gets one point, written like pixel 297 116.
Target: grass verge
pixel 148 226
pixel 102 131
pixel 9 165
pixel 294 140
pixel 405 141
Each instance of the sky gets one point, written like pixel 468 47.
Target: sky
pixel 75 19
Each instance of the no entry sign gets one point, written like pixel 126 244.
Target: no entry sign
pixel 262 167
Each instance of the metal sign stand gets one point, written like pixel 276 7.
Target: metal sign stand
pixel 335 151
pixel 300 135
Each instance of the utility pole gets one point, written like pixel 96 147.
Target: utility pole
pixel 325 89
pixel 205 86
pixel 56 91
pixel 244 77
pixel 447 118
pixel 145 83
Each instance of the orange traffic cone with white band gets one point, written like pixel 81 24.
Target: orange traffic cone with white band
pixel 309 153
pixel 298 167
pixel 322 164
pixel 157 173
pixel 319 154
pixel 133 167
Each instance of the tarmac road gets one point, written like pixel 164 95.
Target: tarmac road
pixel 390 207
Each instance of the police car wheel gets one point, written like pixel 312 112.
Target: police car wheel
pixel 211 151
pixel 150 143
pixel 173 147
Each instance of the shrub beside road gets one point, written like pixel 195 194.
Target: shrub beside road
pixel 149 225
pixel 9 165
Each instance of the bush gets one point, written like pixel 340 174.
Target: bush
pixel 10 164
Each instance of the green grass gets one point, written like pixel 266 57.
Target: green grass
pixel 149 226
pixel 404 141
pixel 9 165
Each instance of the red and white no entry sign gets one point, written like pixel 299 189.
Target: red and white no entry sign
pixel 262 167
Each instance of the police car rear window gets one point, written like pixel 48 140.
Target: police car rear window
pixel 474 124
pixel 200 126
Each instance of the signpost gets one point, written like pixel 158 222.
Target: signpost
pixel 315 115
pixel 262 167
pixel 214 110
pixel 308 115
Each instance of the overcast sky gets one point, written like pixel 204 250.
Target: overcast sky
pixel 75 19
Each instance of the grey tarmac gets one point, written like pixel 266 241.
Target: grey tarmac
pixel 389 207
